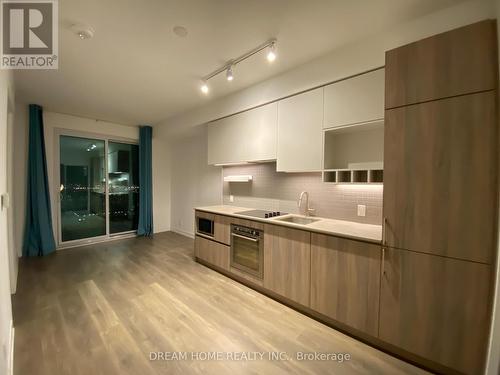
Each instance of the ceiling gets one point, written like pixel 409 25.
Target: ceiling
pixel 136 70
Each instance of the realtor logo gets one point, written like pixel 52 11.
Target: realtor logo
pixel 29 34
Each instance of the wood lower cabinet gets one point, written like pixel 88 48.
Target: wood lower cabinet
pixel 222 226
pixel 457 62
pixel 222 229
pixel 345 281
pixel 287 262
pixel 212 252
pixel 440 177
pixel 436 308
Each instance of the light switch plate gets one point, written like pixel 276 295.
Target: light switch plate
pixel 361 210
pixel 231 198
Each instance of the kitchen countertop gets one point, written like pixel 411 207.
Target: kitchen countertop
pixel 341 228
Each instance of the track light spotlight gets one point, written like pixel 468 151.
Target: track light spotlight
pixel 229 73
pixel 271 55
pixel 204 87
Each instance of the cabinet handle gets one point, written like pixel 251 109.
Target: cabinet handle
pixel 384 231
pixel 383 261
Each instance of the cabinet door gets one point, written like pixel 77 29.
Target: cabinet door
pixel 345 281
pixel 436 307
pixel 440 171
pixel 247 136
pixel 355 100
pixel 287 261
pixel 222 229
pixel 457 62
pixel 212 252
pixel 300 124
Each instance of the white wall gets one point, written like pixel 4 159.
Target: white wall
pixel 18 198
pixel 340 63
pixel 11 212
pixel 161 184
pixel 6 87
pixel 54 121
pixel 194 182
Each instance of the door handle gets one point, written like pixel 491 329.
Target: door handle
pixel 245 238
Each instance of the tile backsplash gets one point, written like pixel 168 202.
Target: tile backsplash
pixel 277 191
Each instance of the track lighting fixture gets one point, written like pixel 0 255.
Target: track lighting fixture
pixel 204 87
pixel 271 55
pixel 228 67
pixel 229 73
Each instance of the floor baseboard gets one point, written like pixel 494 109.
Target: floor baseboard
pixel 183 233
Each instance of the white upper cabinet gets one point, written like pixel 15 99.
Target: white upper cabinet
pixel 355 100
pixel 300 132
pixel 244 137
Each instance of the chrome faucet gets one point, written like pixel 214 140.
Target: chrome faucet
pixel 307 210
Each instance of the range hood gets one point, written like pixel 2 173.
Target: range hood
pixel 238 178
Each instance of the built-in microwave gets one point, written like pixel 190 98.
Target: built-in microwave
pixel 204 226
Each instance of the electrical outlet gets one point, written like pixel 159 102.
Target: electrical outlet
pixel 231 198
pixel 5 201
pixel 361 210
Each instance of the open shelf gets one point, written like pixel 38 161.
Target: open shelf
pixel 355 147
pixel 330 176
pixel 376 176
pixel 360 176
pixel 354 154
pixel 344 176
pixel 354 176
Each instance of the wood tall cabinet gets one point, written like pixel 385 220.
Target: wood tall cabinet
pixel 440 196
pixel 457 62
pixel 440 177
pixel 436 307
pixel 345 281
pixel 287 262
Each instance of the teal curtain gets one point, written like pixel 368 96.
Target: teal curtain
pixel 38 235
pixel 145 227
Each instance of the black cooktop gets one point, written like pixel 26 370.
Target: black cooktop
pixel 262 214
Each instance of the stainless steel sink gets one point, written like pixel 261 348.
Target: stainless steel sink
pixel 297 220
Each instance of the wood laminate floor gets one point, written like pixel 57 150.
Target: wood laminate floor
pixel 103 309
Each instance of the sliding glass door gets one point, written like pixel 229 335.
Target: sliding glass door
pixel 99 188
pixel 123 175
pixel 82 186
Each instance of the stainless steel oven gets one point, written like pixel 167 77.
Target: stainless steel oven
pixel 247 250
